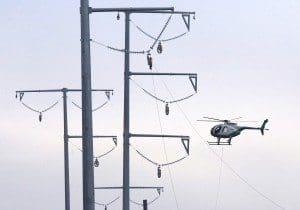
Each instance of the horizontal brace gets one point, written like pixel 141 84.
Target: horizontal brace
pixel 133 188
pixel 162 74
pixel 170 12
pixel 158 136
pixel 61 90
pixel 132 9
pixel 78 137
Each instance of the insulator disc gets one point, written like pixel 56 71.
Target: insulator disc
pixel 158 172
pixel 167 109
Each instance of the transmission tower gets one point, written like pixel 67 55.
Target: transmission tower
pixel 67 137
pixel 127 77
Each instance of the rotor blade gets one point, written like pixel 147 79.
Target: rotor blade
pixel 235 118
pixel 211 118
pixel 208 120
pixel 246 121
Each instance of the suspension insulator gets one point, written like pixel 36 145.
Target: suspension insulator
pixel 16 95
pixel 159 48
pixel 40 117
pixel 167 109
pixel 149 60
pixel 158 172
pixel 118 16
pixel 96 162
pixel 105 207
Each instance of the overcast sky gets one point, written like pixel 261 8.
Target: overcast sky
pixel 246 55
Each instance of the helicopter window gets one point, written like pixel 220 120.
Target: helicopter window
pixel 218 129
pixel 225 129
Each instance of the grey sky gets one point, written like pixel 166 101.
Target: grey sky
pixel 246 56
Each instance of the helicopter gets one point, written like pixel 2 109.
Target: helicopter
pixel 229 129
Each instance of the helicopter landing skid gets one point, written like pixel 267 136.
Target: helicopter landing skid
pixel 218 143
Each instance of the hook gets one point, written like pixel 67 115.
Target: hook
pixel 96 163
pixel 159 172
pixel 194 16
pixel 21 96
pixel 167 109
pixel 159 48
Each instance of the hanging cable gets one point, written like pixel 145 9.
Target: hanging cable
pixel 160 99
pixel 40 112
pixel 118 49
pixel 135 52
pixel 219 181
pixel 152 37
pixel 156 163
pixel 96 157
pixel 149 203
pixel 93 110
pixel 221 159
pixel 107 204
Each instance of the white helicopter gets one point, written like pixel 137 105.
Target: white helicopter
pixel 229 129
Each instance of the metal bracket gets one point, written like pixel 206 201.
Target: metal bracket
pixel 187 20
pixel 186 143
pixel 21 95
pixel 194 82
pixel 115 140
